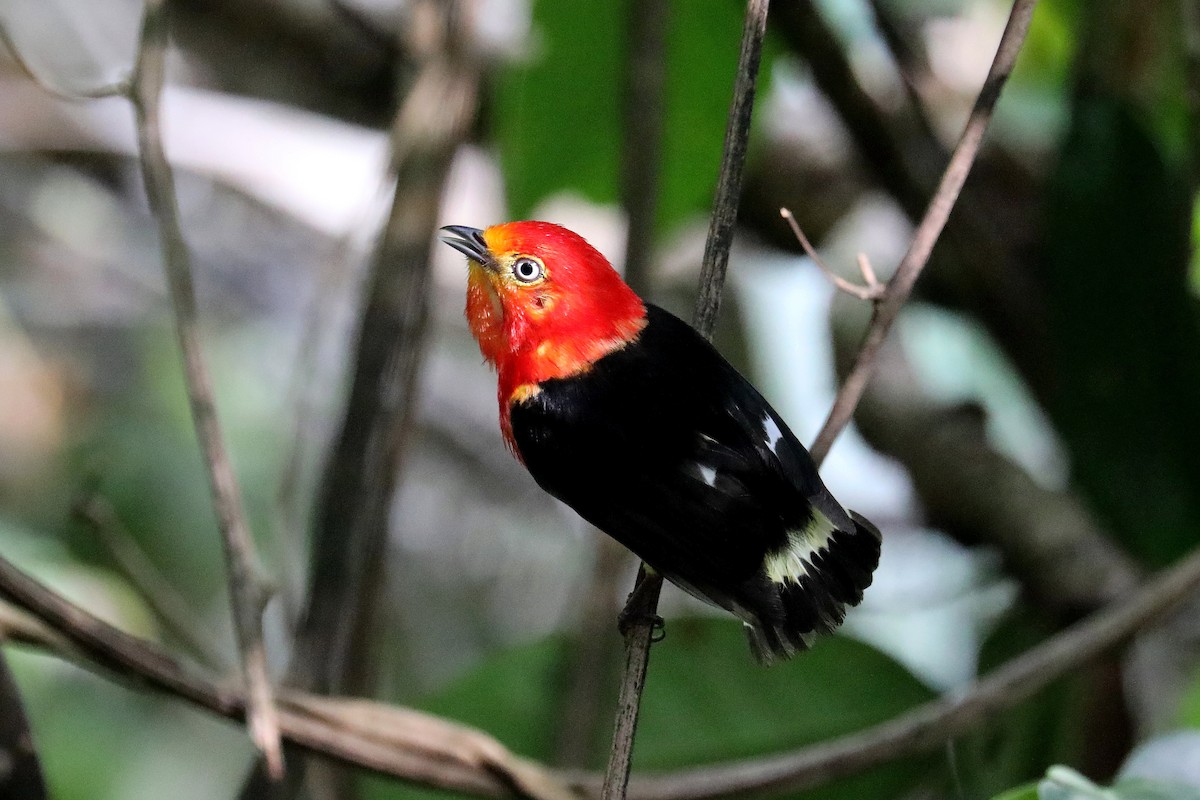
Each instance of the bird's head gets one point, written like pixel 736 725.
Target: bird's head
pixel 542 302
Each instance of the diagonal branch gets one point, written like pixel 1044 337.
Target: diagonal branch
pixel 927 233
pixel 247 588
pixel 403 743
pixel 644 600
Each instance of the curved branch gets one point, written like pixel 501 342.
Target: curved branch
pixel 643 603
pixel 402 743
pixel 927 233
pixel 248 590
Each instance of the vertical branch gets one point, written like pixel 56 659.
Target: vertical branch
pixel 729 182
pixel 644 122
pixel 333 648
pixel 644 601
pixel 360 476
pixel 927 233
pixel 247 588
pixel 20 771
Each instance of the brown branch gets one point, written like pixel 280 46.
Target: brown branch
pixel 20 770
pixel 361 474
pixel 247 589
pixel 641 610
pixel 911 64
pixel 402 743
pixel 927 233
pixel 1049 540
pixel 334 640
pixel 433 759
pixel 729 180
pixel 168 605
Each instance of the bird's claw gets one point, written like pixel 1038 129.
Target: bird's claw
pixel 629 619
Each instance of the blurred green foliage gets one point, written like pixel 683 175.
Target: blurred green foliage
pixel 558 111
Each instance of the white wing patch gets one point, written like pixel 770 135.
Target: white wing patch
pixel 794 561
pixel 708 474
pixel 772 434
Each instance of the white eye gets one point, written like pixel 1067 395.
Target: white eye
pixel 526 270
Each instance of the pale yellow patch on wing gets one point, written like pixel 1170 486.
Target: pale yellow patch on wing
pixel 792 562
pixel 524 392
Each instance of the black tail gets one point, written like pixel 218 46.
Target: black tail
pixel 795 612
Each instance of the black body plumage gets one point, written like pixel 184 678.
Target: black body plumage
pixel 663 445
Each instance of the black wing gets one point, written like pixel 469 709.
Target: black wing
pixel 667 448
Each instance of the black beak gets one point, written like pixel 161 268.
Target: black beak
pixel 469 242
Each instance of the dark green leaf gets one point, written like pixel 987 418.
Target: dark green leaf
pixel 558 116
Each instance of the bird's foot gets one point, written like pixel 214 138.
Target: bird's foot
pixel 630 618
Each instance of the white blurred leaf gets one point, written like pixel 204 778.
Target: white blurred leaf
pixel 1174 757
pixel 1064 783
pixel 75 46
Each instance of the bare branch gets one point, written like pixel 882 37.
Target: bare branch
pixel 930 726
pixel 1048 538
pixel 160 595
pixel 247 589
pixel 729 181
pixel 350 524
pixel 641 611
pixel 873 289
pixel 927 233
pixel 433 760
pixel 21 775
pixel 399 742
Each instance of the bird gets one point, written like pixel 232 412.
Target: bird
pixel 626 414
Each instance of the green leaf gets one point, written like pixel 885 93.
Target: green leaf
pixel 1124 338
pixel 705 701
pixel 558 115
pixel 1027 792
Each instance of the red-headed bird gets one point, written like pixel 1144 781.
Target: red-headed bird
pixel 626 414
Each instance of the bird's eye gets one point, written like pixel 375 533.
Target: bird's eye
pixel 527 270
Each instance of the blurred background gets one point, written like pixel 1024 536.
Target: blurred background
pixel 1029 446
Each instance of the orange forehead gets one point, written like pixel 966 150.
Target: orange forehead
pixel 502 239
pixel 535 238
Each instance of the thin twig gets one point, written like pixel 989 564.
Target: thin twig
pixel 639 634
pixel 171 608
pixel 420 748
pixel 927 233
pixel 873 289
pixel 247 588
pixel 729 181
